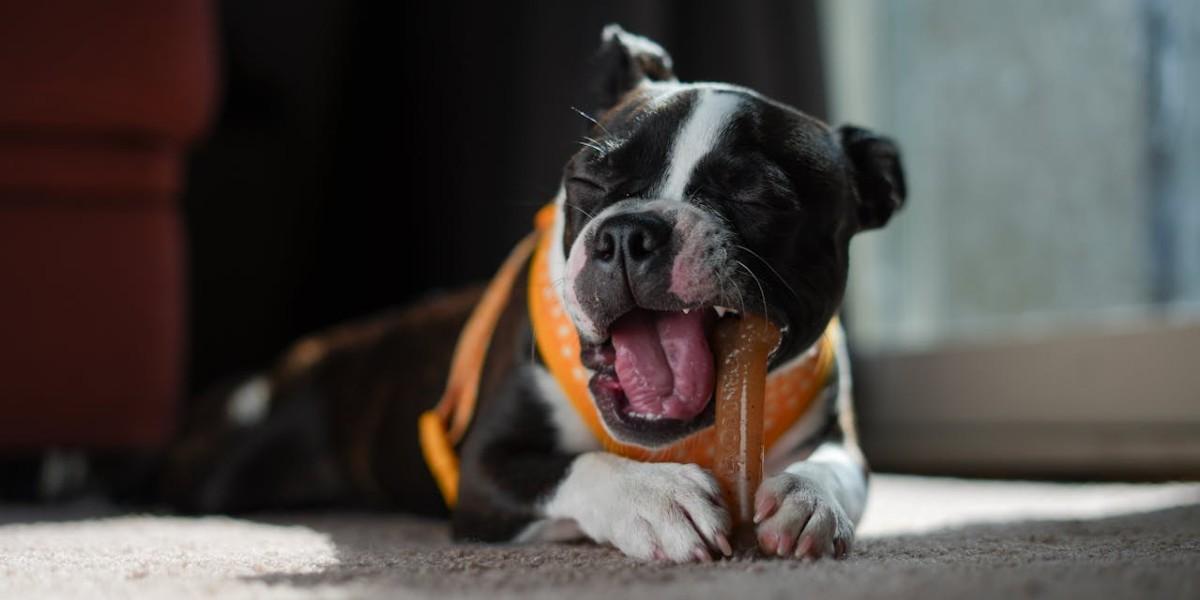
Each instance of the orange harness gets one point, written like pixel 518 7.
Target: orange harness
pixel 790 392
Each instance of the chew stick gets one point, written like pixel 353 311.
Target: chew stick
pixel 742 346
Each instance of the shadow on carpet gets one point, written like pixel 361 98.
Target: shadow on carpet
pixel 1152 554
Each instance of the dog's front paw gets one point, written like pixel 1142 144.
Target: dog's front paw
pixel 661 511
pixel 797 516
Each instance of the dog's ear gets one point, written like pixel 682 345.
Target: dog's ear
pixel 624 61
pixel 877 172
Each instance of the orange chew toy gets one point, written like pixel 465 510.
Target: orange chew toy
pixel 742 347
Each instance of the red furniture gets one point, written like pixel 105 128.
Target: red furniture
pixel 98 104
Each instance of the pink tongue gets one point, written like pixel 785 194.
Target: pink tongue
pixel 663 363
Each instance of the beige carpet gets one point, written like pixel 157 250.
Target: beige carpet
pixel 921 538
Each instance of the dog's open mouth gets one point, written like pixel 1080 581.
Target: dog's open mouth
pixel 654 377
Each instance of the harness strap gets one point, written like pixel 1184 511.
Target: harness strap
pixel 442 428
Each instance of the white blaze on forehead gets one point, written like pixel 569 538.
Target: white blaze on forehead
pixel 709 117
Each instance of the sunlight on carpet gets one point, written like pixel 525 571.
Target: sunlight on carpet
pixel 901 504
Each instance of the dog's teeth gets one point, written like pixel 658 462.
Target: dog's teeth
pixel 725 310
pixel 645 417
pixel 687 310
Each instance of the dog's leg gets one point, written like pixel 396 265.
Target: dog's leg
pixel 810 508
pixel 510 459
pixel 523 481
pixel 258 448
pixel 663 511
pixel 647 510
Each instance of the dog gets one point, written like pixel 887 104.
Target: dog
pixel 686 204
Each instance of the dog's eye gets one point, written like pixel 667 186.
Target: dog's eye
pixel 631 188
pixel 587 184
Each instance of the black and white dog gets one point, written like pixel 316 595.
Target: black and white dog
pixel 687 198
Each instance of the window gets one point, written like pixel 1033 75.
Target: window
pixel 1053 158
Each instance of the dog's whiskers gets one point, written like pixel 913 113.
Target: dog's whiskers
pixel 759 283
pixel 592 119
pixel 592 145
pixel 726 282
pixel 585 213
pixel 771 269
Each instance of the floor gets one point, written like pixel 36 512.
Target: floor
pixel 921 538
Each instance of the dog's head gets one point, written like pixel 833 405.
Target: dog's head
pixel 691 202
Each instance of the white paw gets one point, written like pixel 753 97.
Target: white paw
pixel 661 511
pixel 797 516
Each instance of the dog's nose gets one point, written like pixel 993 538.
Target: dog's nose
pixel 632 238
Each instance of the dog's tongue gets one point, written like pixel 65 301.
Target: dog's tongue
pixel 664 363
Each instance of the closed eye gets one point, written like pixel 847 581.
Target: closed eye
pixel 587 183
pixel 631 189
pixel 758 196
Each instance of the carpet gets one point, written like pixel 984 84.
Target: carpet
pixel 921 537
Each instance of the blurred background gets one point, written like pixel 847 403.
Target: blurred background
pixel 187 186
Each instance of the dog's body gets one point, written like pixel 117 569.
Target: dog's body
pixel 687 199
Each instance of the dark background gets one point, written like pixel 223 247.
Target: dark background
pixel 366 153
